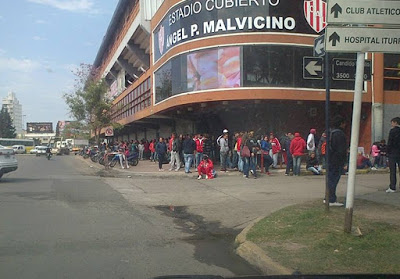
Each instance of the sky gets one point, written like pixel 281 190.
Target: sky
pixel 41 43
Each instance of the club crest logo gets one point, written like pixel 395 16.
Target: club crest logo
pixel 315 13
pixel 161 39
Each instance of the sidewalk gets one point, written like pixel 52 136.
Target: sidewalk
pixel 150 169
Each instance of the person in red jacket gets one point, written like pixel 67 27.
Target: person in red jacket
pixel 297 147
pixel 275 150
pixel 206 167
pixel 152 148
pixel 199 149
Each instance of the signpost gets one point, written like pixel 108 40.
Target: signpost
pixel 345 69
pixel 362 39
pixel 319 46
pixel 313 67
pixel 363 12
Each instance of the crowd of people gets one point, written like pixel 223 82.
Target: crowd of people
pixel 247 153
pixel 243 151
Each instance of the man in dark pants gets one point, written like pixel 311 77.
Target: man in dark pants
pixel 393 151
pixel 337 157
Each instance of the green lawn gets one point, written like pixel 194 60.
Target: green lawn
pixel 310 240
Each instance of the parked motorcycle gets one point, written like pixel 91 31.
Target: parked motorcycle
pixel 133 159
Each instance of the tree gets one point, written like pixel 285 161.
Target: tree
pixel 75 129
pixel 88 103
pixel 7 129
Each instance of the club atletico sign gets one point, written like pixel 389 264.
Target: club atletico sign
pixel 196 19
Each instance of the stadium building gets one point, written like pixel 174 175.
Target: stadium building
pixel 200 66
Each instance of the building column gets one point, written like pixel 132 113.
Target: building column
pixel 378 97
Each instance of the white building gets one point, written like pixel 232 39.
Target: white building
pixel 15 110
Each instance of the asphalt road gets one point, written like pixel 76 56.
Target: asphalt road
pixel 60 219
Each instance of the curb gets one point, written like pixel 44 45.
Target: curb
pixel 255 256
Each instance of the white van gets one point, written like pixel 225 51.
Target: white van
pixel 19 149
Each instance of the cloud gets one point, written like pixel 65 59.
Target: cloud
pixel 38 38
pixel 68 5
pixel 19 65
pixel 2 51
pixel 88 44
pixel 40 21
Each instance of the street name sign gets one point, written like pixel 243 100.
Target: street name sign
pixel 312 67
pixel 345 69
pixel 360 39
pixel 319 46
pixel 363 12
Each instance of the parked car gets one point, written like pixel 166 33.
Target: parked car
pixel 33 150
pixel 19 149
pixel 8 160
pixel 41 150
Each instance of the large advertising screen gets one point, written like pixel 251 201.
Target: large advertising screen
pixel 194 19
pixel 39 127
pixel 213 68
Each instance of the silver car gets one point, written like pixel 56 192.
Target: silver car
pixel 8 160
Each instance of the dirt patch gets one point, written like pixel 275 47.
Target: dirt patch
pixel 378 212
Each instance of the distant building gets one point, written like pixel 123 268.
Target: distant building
pixel 61 125
pixel 40 131
pixel 15 110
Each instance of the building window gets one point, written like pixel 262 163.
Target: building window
pixel 392 72
pixel 241 66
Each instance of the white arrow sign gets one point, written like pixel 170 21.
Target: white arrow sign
pixel 312 68
pixel 319 46
pixel 363 12
pixel 357 39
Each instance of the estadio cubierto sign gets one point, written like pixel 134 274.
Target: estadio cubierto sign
pixel 195 19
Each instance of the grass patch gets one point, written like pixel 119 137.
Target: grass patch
pixel 308 239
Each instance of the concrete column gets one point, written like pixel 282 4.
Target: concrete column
pixel 377 97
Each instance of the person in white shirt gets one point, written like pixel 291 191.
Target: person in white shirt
pixel 311 141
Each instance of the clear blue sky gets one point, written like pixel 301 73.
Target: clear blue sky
pixel 41 42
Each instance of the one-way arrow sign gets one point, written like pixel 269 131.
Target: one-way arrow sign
pixel 334 38
pixel 319 46
pixel 336 10
pixel 312 68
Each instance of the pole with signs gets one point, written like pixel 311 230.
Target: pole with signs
pixel 327 128
pixel 355 134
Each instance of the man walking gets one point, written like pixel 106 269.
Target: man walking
pixel 337 157
pixel 393 152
